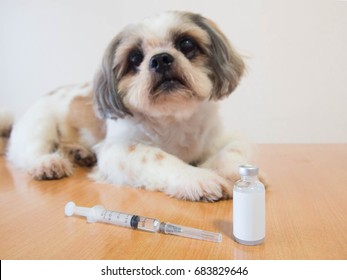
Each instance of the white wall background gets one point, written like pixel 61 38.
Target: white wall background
pixel 296 51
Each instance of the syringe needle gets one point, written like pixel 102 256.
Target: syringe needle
pixel 168 228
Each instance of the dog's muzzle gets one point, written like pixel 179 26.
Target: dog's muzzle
pixel 166 80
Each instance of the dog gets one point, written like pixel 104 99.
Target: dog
pixel 149 120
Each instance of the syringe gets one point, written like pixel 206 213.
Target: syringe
pixel 99 214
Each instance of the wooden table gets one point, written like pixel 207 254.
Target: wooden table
pixel 306 214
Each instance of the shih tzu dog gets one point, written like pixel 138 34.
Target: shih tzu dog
pixel 155 123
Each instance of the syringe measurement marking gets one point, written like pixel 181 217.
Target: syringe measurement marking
pixel 116 218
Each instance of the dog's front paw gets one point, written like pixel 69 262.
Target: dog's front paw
pixel 51 166
pixel 82 157
pixel 200 185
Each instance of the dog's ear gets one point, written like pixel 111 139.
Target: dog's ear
pixel 227 65
pixel 106 95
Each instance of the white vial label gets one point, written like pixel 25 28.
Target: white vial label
pixel 249 217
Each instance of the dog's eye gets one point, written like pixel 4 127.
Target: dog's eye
pixel 187 46
pixel 135 58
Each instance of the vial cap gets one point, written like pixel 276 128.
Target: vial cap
pixel 248 170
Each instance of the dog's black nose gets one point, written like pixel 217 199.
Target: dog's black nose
pixel 161 62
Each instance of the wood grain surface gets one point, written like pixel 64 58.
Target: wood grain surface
pixel 306 204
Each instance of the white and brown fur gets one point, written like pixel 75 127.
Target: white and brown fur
pixel 158 130
pixel 58 130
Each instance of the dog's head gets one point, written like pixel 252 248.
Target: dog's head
pixel 166 65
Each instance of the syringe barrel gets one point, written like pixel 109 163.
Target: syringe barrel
pixel 101 214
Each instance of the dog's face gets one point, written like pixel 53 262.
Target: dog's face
pixel 165 66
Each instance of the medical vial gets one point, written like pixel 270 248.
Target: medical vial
pixel 249 207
